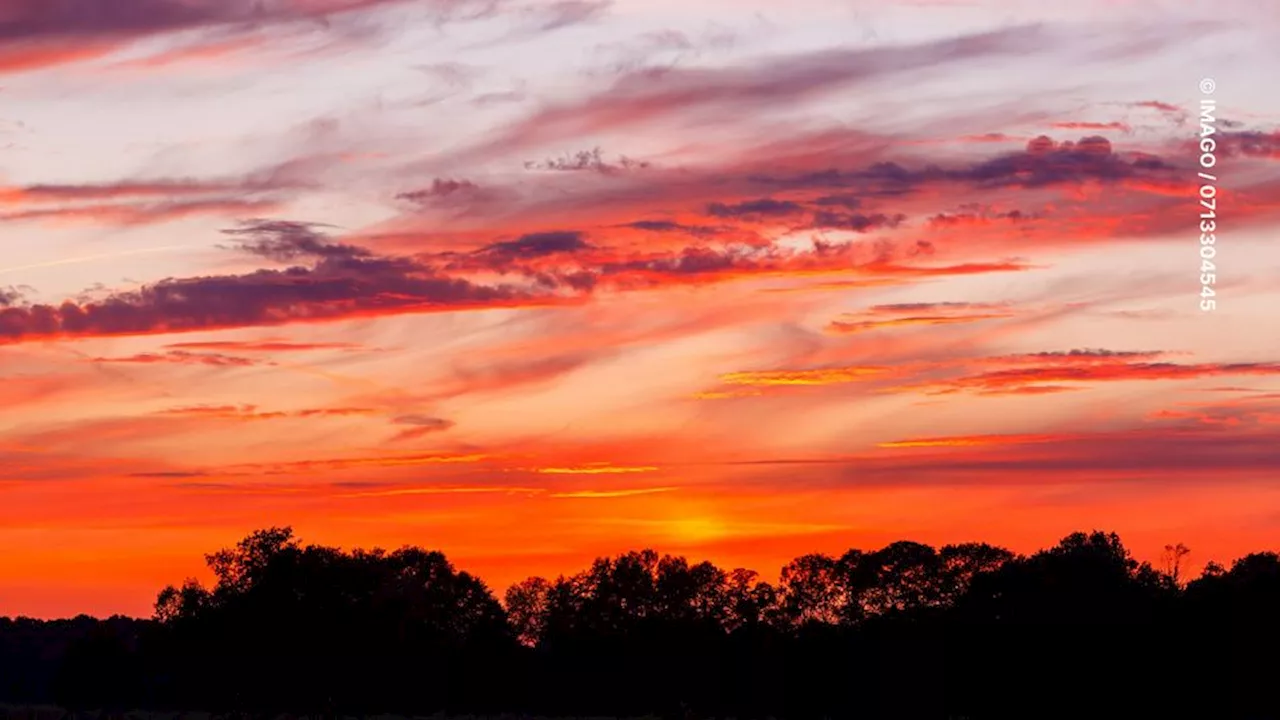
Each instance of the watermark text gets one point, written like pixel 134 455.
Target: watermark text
pixel 1208 195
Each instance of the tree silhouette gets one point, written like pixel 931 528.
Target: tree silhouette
pixel 1173 561
pixel 903 631
pixel 812 588
pixel 899 577
pixel 750 603
pixel 526 604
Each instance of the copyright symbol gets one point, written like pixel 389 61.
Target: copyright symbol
pixel 1207 86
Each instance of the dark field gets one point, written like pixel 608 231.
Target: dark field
pixel 47 712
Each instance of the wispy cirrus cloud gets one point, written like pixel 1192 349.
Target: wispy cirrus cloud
pixel 1022 378
pixel 251 412
pixel 181 357
pixel 371 461
pixel 262 346
pixel 641 97
pixel 1250 409
pixel 140 214
pixel 36 34
pixel 847 326
pixel 609 494
pixel 135 202
pixel 1085 125
pixel 815 376
pixel 165 189
pixel 883 317
pixel 965 441
pixel 1024 374
pixel 596 469
pixel 216 49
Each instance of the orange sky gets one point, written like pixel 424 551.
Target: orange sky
pixel 830 281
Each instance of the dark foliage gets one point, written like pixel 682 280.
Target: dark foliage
pixel 906 631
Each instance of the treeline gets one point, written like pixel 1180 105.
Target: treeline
pixel 907 631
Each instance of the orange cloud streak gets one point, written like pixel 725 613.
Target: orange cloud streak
pixel 609 494
pixel 302 466
pixel 595 470
pixel 34 56
pixel 1000 380
pixel 842 327
pixel 970 441
pixel 818 376
pixel 250 412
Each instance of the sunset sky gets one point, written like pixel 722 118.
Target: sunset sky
pixel 534 281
